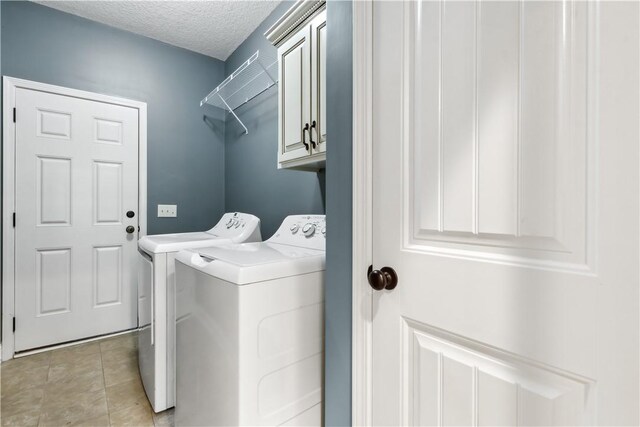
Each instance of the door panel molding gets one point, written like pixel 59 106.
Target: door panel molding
pixel 57 128
pixel 525 193
pixel 55 173
pixel 57 270
pixel 518 391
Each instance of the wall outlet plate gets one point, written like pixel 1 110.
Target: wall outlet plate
pixel 167 211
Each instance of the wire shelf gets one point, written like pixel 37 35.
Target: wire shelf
pixel 255 76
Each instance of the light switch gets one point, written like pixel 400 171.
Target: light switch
pixel 167 211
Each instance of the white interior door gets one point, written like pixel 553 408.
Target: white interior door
pixel 505 196
pixel 76 177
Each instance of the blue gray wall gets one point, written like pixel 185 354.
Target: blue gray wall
pixel 185 152
pixel 197 160
pixel 253 182
pixel 339 214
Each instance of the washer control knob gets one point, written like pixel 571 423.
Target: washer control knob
pixel 324 231
pixel 238 223
pixel 309 229
pixel 229 223
pixel 294 228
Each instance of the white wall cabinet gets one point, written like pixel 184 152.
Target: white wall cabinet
pixel 300 36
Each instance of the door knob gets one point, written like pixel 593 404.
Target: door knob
pixel 130 229
pixel 385 278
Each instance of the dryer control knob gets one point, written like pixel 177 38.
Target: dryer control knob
pixel 229 223
pixel 294 228
pixel 309 229
pixel 324 231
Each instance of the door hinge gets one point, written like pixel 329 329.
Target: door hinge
pixel 14 114
pixel 14 324
pixel 14 220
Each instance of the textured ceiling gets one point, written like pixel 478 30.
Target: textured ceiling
pixel 214 28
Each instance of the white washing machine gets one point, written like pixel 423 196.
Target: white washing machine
pixel 156 298
pixel 250 330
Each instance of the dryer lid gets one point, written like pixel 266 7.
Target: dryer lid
pixel 246 263
pixel 250 254
pixel 234 227
pixel 174 242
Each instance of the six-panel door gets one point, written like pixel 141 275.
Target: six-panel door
pixel 76 178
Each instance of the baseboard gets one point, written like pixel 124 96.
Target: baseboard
pixel 72 343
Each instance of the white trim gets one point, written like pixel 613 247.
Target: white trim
pixel 74 343
pixel 142 168
pixel 10 84
pixel 8 233
pixel 361 398
pixel 293 18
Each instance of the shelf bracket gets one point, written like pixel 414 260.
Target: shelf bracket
pixel 246 131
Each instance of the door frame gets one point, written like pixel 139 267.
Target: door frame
pixel 362 219
pixel 10 84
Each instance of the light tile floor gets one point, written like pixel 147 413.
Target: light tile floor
pixel 92 384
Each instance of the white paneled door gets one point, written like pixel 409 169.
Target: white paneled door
pixel 506 198
pixel 76 177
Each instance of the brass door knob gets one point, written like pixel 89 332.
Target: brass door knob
pixel 385 278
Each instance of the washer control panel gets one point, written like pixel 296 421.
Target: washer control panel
pixel 308 231
pixel 236 224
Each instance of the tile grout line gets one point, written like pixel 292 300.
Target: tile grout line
pixel 40 414
pixel 104 383
pixel 44 387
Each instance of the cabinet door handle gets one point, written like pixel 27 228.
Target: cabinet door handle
pixel 304 141
pixel 313 143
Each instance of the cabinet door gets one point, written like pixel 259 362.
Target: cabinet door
pixel 294 92
pixel 318 81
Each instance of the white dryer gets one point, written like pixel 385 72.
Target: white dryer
pixel 156 298
pixel 250 330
